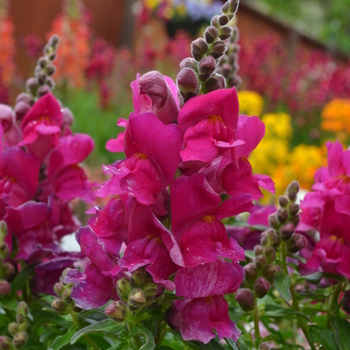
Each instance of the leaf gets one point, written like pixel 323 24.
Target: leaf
pixel 20 280
pixel 8 302
pixel 316 277
pixel 232 344
pixel 43 316
pixel 47 333
pixel 298 257
pixel 277 311
pixel 342 332
pixel 48 298
pixel 62 340
pixel 322 337
pixel 163 347
pixel 106 326
pixel 140 329
pixel 282 284
pixel 249 254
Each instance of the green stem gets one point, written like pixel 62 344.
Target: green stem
pixel 333 307
pixel 284 258
pixel 135 338
pixel 161 333
pixel 300 321
pixel 79 326
pixel 256 322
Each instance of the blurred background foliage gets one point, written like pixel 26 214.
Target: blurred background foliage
pixel 326 20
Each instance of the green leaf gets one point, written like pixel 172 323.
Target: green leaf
pixel 232 344
pixel 48 298
pixel 322 337
pixel 8 302
pixel 342 332
pixel 106 326
pixel 316 277
pixel 47 333
pixel 277 311
pixel 282 284
pixel 249 254
pixel 163 347
pixel 20 280
pixel 146 333
pixel 62 340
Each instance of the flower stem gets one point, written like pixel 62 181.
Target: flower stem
pixel 161 333
pixel 79 326
pixel 284 258
pixel 333 307
pixel 300 321
pixel 256 322
pixel 135 338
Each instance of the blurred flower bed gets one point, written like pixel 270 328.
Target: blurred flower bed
pixel 302 100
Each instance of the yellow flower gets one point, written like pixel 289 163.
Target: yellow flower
pixel 152 4
pixel 250 103
pixel 278 125
pixel 336 115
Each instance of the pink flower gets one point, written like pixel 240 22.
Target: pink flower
pixel 11 131
pixel 41 126
pixel 157 93
pixel 209 123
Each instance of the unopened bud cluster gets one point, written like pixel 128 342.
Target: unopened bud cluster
pixel 7 270
pixel 260 273
pixel 229 62
pixel 136 293
pixel 199 74
pixel 63 302
pixel 18 329
pixel 42 82
pixel 287 219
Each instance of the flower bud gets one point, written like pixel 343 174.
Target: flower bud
pixel 261 287
pixel 58 288
pixel 68 117
pixel 296 243
pixel 189 63
pixel 296 220
pixel 66 294
pixel 54 40
pixel 7 270
pixel 293 187
pixel 223 20
pixel 137 299
pixel 264 346
pixel 4 250
pixel 258 250
pixel 187 82
pixel 282 215
pixel 211 34
pixel 116 310
pixel 3 229
pixel 43 90
pixel 50 69
pixel 269 238
pixel 20 339
pixel 150 289
pixel 215 82
pixel 137 296
pixel 21 109
pixel 245 298
pixel 226 69
pixel 251 272
pixel 52 57
pixel 234 80
pixel 293 209
pixel 287 231
pixel 270 272
pixel 139 277
pixel 260 262
pixel 13 328
pixel 32 85
pixel 24 97
pixel 41 77
pixel 207 65
pixel 59 306
pixel 283 201
pixel 5 343
pixel 22 308
pixel 225 32
pixel 292 196
pixel 50 82
pixel 230 7
pixel 218 49
pixel 5 287
pixel 346 302
pixel 215 22
pixel 270 254
pixel 199 48
pixel 273 221
pixel 42 62
pixel 123 288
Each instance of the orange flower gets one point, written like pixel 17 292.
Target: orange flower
pixel 7 49
pixel 336 116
